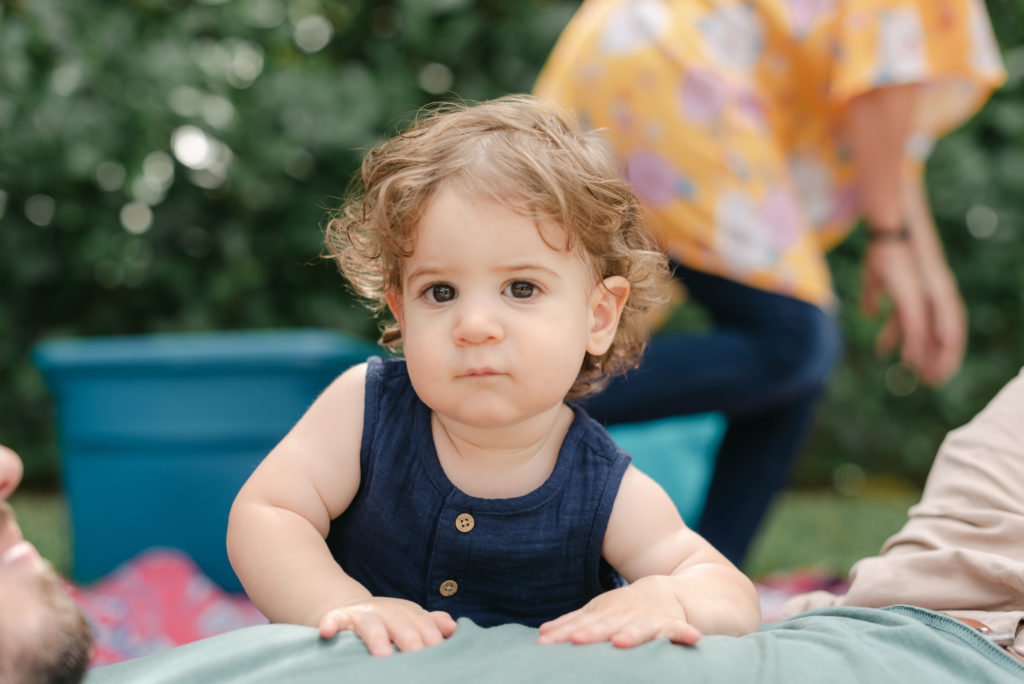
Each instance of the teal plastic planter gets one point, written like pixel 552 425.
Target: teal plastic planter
pixel 158 432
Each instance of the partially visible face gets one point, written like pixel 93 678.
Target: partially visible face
pixel 10 472
pixel 495 322
pixel 43 635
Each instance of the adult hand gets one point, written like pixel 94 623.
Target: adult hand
pixel 381 622
pixel 928 318
pixel 628 616
pixel 890 268
pixel 947 318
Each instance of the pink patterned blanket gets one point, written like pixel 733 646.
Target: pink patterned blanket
pixel 158 600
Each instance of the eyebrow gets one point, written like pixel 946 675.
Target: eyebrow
pixel 518 268
pixel 432 271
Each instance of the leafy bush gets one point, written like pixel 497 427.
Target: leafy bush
pixel 167 166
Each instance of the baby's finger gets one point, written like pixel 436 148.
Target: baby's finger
pixel 374 632
pixel 445 623
pixel 586 628
pixel 683 633
pixel 632 635
pixel 332 623
pixel 556 635
pixel 558 622
pixel 557 631
pixel 676 631
pixel 434 628
pixel 414 634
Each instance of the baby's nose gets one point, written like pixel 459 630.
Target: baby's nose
pixel 476 323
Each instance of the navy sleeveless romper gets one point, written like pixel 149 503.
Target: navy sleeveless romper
pixel 410 533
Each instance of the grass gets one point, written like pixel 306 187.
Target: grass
pixel 43 518
pixel 828 530
pixel 804 528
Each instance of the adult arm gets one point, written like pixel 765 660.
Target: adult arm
pixel 928 319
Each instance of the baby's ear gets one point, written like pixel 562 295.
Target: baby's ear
pixel 606 303
pixel 394 300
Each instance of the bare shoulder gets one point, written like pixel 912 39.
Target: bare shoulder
pixel 348 388
pixel 640 496
pixel 335 415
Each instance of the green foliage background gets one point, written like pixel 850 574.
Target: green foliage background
pixel 92 92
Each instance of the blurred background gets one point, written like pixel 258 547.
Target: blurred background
pixel 168 165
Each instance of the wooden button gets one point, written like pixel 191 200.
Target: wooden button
pixel 464 523
pixel 449 587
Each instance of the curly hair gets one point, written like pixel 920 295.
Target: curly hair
pixel 522 154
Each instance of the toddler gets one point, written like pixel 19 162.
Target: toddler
pixel 457 481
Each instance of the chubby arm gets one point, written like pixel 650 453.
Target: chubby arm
pixel 281 517
pixel 680 586
pixel 282 514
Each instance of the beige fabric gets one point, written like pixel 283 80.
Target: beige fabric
pixel 962 549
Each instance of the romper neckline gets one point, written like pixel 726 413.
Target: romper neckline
pixel 568 452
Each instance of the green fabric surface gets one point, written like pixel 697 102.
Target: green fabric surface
pixel 837 645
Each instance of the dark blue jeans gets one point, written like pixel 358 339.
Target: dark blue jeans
pixel 763 365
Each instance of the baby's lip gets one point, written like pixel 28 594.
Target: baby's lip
pixel 481 372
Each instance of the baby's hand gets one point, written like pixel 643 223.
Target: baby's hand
pixel 380 622
pixel 627 617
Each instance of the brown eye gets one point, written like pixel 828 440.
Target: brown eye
pixel 441 293
pixel 522 289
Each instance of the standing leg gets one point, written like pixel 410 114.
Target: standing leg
pixel 763 365
pixel 754 463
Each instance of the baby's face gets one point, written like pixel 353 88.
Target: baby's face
pixel 495 322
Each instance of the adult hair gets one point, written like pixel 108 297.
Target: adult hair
pixel 56 651
pixel 519 152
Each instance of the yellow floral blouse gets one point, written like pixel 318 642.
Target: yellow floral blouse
pixel 727 114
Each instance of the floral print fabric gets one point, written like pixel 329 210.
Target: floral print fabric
pixel 728 114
